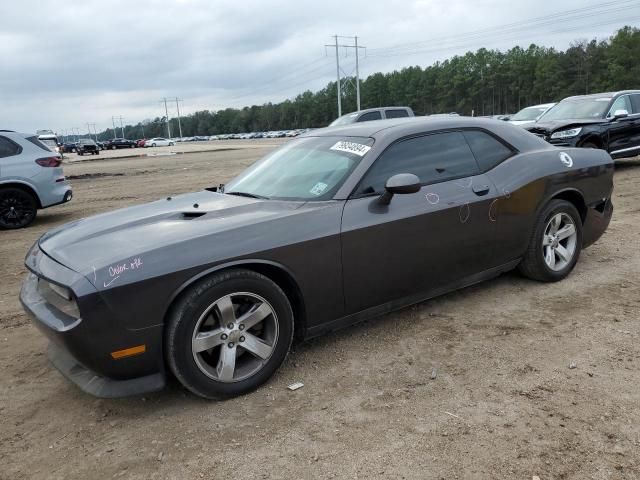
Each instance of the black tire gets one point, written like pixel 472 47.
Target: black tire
pixel 80 153
pixel 153 144
pixel 533 263
pixel 113 147
pixel 171 144
pixel 590 145
pixel 184 318
pixel 18 208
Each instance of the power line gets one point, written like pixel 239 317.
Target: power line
pixel 558 17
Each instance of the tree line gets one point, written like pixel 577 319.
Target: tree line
pixel 485 82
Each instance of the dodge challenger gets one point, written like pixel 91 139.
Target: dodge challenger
pixel 333 227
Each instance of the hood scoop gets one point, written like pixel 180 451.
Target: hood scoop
pixel 191 215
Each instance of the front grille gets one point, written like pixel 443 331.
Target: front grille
pixel 59 298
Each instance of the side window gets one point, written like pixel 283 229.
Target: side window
pixel 370 116
pixel 433 158
pixel 396 113
pixel 622 103
pixel 8 148
pixel 488 151
pixel 635 103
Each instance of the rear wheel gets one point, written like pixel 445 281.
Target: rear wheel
pixel 18 208
pixel 229 334
pixel 153 144
pixel 555 245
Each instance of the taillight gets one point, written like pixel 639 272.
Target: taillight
pixel 49 162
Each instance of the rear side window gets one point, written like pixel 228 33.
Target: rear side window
pixel 433 158
pixel 38 143
pixel 488 151
pixel 370 116
pixel 8 148
pixel 635 103
pixel 396 113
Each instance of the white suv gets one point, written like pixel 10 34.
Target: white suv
pixel 30 178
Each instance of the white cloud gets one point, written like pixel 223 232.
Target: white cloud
pixel 67 63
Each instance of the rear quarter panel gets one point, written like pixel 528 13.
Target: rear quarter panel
pixel 528 181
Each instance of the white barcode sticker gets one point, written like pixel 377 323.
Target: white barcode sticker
pixel 351 147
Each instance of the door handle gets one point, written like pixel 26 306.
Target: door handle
pixel 481 190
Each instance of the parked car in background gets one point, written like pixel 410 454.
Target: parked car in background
pixel 158 142
pixel 31 178
pixel 372 114
pixel 119 143
pixel 609 121
pixel 67 147
pixel 332 228
pixel 529 115
pixel 86 145
pixel 50 140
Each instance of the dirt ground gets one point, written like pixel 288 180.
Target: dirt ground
pixel 504 403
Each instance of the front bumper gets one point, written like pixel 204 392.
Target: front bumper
pixel 81 348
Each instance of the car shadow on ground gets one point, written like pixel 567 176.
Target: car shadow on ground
pixel 627 163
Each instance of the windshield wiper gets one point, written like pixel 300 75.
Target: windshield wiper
pixel 248 195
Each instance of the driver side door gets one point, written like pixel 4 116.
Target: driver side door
pixel 420 242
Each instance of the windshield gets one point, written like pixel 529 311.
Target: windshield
pixel 587 108
pixel 345 119
pixel 529 113
pixel 311 168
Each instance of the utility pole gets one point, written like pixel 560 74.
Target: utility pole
pixel 95 134
pixel 357 48
pixel 166 112
pixel 178 108
pixel 338 82
pixel 113 122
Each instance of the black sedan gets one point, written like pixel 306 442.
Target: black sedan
pixel 334 227
pixel 119 143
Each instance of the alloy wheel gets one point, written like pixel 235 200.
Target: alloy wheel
pixel 16 209
pixel 559 241
pixel 235 337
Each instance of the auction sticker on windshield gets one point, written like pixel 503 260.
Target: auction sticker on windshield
pixel 351 147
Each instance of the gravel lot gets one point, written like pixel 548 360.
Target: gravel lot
pixel 504 403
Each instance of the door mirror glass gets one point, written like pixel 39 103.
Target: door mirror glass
pixel 620 113
pixel 401 183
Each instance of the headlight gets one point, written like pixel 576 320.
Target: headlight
pixel 566 133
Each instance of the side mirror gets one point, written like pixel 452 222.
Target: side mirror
pixel 400 184
pixel 620 114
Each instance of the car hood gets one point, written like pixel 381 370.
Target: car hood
pixel 555 125
pixel 98 242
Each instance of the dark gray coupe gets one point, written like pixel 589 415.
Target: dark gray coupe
pixel 333 227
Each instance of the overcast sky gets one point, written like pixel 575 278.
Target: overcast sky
pixel 65 63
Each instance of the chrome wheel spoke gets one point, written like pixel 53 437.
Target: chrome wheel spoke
pixel 207 340
pixel 566 231
pixel 225 307
pixel 255 316
pixel 547 240
pixel 256 346
pixel 550 257
pixel 226 363
pixel 563 253
pixel 554 225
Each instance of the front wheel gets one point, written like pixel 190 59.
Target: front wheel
pixel 18 208
pixel 555 244
pixel 171 144
pixel 228 334
pixel 153 144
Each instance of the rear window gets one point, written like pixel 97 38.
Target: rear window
pixel 396 113
pixel 41 144
pixel 488 151
pixel 8 148
pixel 366 117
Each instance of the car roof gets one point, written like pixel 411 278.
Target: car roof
pixel 602 95
pixel 542 105
pixel 392 129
